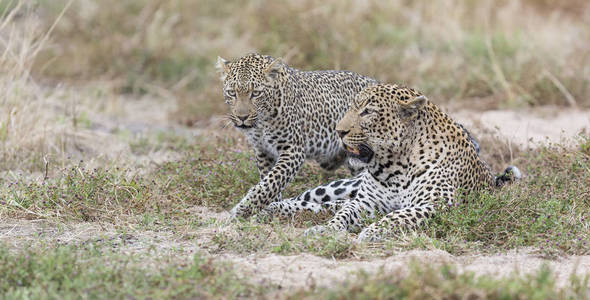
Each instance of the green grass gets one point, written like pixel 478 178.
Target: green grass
pixel 83 195
pixel 96 271
pixel 548 210
pixel 101 271
pixel 216 176
pixel 251 237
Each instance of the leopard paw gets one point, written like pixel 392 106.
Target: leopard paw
pixel 370 234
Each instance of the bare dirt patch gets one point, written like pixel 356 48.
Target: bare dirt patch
pixel 528 128
pixel 290 272
pixel 305 270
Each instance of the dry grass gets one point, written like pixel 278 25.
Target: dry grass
pixel 479 55
pixel 45 128
pixel 41 128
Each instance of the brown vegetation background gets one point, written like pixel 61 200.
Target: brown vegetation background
pixel 475 54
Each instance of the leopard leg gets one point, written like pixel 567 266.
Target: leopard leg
pixel 347 217
pixel 265 162
pixel 351 214
pixel 324 196
pixel 371 199
pixel 422 207
pixel 288 208
pixel 270 187
pixel 406 217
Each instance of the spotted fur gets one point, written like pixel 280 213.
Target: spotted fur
pixel 416 157
pixel 287 116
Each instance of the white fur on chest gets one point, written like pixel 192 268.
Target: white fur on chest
pixel 392 198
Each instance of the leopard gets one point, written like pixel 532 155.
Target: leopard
pixel 288 116
pixel 417 161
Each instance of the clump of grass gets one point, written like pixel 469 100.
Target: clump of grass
pixel 97 272
pixel 446 282
pixel 80 194
pixel 210 177
pixel 218 173
pixel 213 176
pixel 249 236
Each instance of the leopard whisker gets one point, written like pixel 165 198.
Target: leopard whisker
pixel 227 123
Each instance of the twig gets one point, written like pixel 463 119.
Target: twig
pixel 45 37
pixel 568 96
pixel 46 168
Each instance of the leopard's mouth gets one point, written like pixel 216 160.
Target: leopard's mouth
pixel 243 126
pixel 362 152
pixel 351 150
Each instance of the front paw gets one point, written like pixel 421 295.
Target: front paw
pixel 370 234
pixel 264 216
pixel 272 210
pixel 241 210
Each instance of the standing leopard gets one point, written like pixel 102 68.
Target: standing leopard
pixel 287 116
pixel 416 158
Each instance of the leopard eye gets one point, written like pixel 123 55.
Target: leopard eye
pixel 231 93
pixel 255 94
pixel 366 111
pixel 364 126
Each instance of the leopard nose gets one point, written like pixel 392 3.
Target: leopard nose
pixel 342 133
pixel 243 118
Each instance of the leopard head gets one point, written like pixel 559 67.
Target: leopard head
pixel 379 120
pixel 249 87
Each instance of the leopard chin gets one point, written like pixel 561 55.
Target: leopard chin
pixel 245 125
pixel 362 152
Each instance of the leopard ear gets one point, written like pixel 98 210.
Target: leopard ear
pixel 411 108
pixel 274 69
pixel 222 67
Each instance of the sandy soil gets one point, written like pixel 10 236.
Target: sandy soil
pixel 307 270
pixel 289 272
pixel 528 128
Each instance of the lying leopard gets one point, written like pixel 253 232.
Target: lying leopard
pixel 287 116
pixel 417 159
